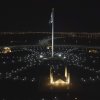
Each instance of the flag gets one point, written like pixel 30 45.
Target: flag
pixel 51 19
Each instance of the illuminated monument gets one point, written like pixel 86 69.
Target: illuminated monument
pixel 57 80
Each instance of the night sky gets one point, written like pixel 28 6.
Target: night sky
pixel 34 15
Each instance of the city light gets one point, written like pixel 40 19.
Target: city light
pixel 59 55
pixel 6 50
pixel 41 56
pixel 93 51
pixel 64 57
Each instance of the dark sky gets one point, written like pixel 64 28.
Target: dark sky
pixel 34 15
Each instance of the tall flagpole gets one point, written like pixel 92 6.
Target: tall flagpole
pixel 52 32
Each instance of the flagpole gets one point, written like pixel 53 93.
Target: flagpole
pixel 52 32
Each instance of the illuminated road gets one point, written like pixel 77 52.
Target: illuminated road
pixel 79 46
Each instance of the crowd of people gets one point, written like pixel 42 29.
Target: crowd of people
pixel 25 60
pixel 23 64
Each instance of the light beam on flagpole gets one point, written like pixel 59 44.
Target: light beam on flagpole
pixel 52 19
